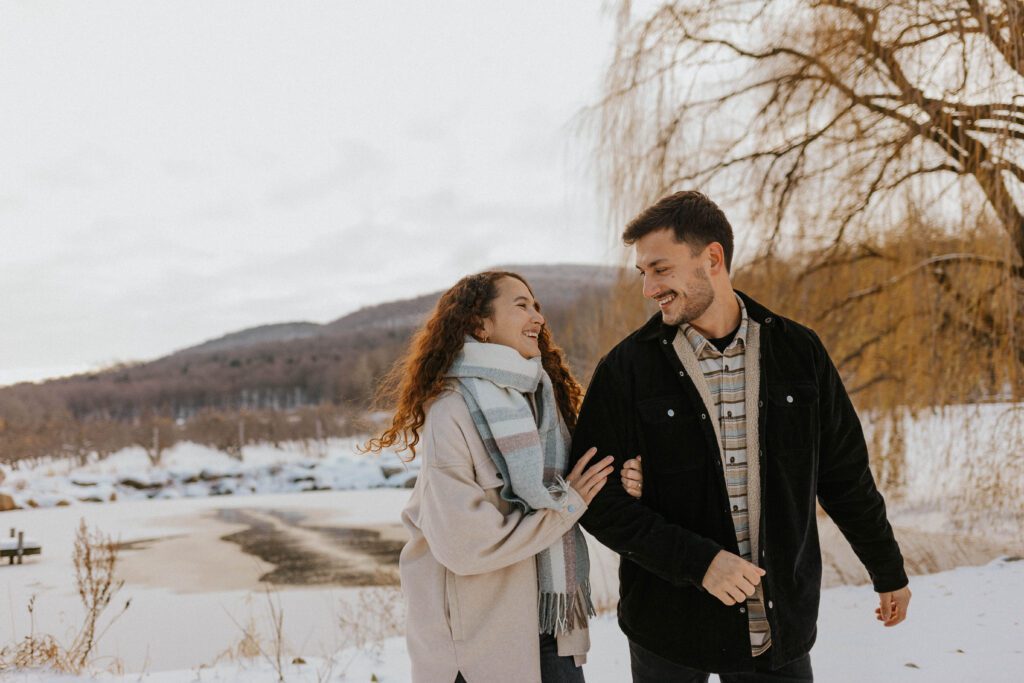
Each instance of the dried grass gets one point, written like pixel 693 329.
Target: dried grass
pixel 95 563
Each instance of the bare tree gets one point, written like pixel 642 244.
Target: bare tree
pixel 873 153
pixel 820 112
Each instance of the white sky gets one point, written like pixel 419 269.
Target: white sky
pixel 172 171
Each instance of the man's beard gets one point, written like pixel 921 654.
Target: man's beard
pixel 699 297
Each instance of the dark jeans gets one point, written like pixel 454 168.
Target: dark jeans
pixel 553 669
pixel 651 668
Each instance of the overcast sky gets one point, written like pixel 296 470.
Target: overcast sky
pixel 172 171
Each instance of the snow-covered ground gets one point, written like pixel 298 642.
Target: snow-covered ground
pixel 188 470
pixel 194 594
pixel 964 625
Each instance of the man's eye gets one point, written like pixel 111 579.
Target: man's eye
pixel 660 271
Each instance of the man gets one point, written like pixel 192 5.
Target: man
pixel 742 421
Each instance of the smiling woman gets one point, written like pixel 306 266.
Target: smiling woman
pixel 495 555
pixel 516 320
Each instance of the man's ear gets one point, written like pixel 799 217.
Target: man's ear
pixel 716 257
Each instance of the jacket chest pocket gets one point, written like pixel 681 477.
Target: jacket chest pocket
pixel 490 480
pixel 792 416
pixel 671 434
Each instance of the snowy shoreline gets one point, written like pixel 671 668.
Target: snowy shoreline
pixel 188 470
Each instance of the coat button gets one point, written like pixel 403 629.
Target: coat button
pixel 770 605
pixel 664 341
pixel 682 374
pixel 572 508
pixel 789 399
pixel 768 320
pixel 703 416
pixel 671 413
pixel 760 404
pixel 743 610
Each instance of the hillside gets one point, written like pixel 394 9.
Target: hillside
pixel 290 380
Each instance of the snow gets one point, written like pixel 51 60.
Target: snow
pixel 960 628
pixel 188 470
pixel 192 593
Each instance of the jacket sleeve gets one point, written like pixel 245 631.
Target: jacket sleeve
pixel 615 518
pixel 465 531
pixel 846 487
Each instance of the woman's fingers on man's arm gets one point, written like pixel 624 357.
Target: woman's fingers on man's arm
pixel 581 464
pixel 600 469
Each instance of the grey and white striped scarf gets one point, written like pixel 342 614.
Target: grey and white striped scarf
pixel 532 454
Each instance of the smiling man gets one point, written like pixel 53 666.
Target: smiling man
pixel 743 422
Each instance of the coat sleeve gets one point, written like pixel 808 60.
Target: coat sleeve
pixel 465 531
pixel 846 487
pixel 615 518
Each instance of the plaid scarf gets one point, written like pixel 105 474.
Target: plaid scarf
pixel 532 455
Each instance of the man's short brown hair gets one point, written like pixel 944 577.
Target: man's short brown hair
pixel 693 218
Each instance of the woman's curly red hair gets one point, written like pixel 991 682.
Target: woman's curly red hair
pixel 418 376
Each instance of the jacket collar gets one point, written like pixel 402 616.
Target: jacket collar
pixel 654 329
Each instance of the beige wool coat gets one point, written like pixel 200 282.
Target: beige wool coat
pixel 468 571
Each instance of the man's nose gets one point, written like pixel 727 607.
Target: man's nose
pixel 650 287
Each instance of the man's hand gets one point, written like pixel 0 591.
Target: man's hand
pixel 892 607
pixel 731 579
pixel 632 476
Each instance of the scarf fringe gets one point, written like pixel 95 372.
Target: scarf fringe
pixel 559 489
pixel 562 612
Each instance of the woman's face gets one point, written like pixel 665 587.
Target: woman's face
pixel 515 320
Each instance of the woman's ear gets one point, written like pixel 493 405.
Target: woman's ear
pixel 483 333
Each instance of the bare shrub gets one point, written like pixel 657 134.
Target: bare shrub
pixel 252 644
pixel 376 614
pixel 95 562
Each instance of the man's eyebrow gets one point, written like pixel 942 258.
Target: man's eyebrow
pixel 522 298
pixel 651 264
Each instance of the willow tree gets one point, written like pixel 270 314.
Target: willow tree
pixel 875 152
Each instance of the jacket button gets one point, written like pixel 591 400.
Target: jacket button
pixel 760 404
pixel 743 610
pixel 768 320
pixel 770 604
pixel 572 508
pixel 789 399
pixel 682 374
pixel 671 413
pixel 703 416
pixel 664 341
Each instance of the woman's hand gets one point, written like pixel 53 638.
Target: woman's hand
pixel 632 477
pixel 588 482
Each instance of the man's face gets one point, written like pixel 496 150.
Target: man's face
pixel 674 277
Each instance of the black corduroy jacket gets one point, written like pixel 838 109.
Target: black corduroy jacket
pixel 641 401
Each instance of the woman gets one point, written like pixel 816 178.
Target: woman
pixel 495 555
